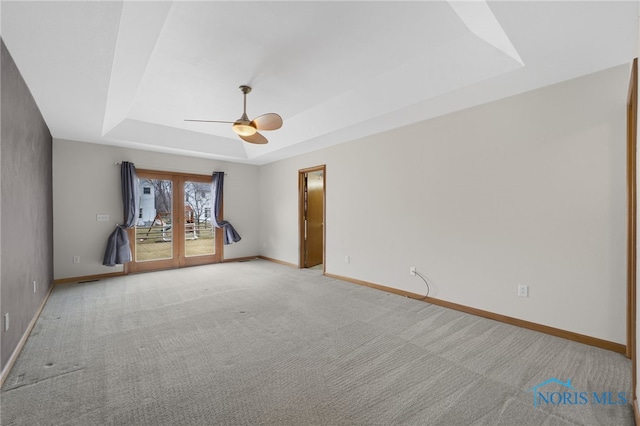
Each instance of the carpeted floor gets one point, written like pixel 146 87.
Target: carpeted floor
pixel 257 343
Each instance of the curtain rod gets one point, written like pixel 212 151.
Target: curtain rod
pixel 117 163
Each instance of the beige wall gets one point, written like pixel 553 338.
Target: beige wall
pixel 86 183
pixel 526 190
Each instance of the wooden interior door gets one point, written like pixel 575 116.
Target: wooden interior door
pixel 315 218
pixel 632 130
pixel 174 227
pixel 312 212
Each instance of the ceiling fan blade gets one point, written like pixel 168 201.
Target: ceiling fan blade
pixel 270 121
pixel 211 121
pixel 256 138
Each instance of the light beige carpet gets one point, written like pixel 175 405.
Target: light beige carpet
pixel 257 343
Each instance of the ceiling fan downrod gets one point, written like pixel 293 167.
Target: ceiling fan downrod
pixel 243 125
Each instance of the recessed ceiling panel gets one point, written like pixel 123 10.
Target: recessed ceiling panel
pixel 295 54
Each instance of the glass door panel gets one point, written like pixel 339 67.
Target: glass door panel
pixel 199 233
pixel 174 227
pixel 154 228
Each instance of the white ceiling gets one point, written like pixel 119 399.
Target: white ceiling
pixel 129 73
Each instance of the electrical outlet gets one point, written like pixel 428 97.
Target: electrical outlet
pixel 6 322
pixel 35 286
pixel 412 270
pixel 76 259
pixel 523 290
pixel 102 217
pixel 347 259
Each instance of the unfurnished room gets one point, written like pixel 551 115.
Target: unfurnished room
pixel 318 212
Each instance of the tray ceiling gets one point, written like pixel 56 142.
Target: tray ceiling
pixel 129 73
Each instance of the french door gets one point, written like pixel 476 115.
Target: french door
pixel 174 226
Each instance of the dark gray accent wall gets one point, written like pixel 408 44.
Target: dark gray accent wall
pixel 26 209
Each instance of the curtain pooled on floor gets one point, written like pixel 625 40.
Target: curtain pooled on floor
pixel 118 249
pixel 230 234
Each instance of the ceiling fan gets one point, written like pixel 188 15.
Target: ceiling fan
pixel 247 129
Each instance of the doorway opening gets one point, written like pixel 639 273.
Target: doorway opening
pixel 174 227
pixel 312 198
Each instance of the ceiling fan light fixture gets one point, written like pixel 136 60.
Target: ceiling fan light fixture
pixel 247 129
pixel 244 129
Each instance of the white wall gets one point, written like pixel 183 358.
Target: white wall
pixel 86 182
pixel 526 190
